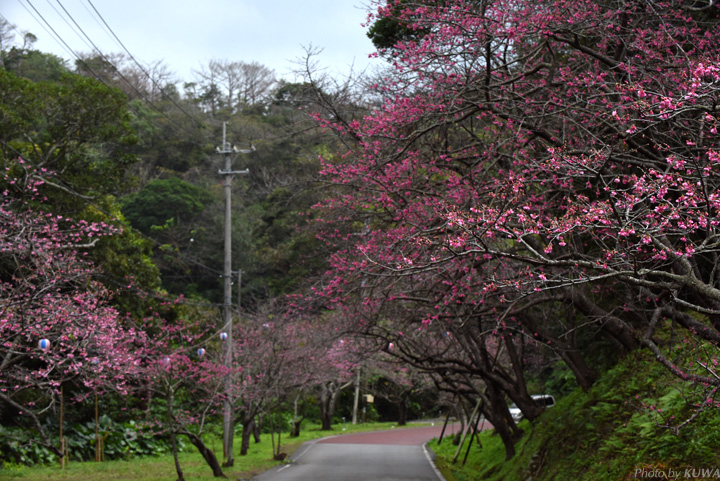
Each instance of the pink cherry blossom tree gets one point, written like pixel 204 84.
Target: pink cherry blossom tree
pixel 183 372
pixel 337 374
pixel 327 356
pixel 56 322
pixel 274 357
pixel 535 171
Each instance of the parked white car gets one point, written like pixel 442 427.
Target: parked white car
pixel 546 400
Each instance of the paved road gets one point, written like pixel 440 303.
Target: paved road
pixel 395 455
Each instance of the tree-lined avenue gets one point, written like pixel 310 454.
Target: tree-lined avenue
pixel 382 455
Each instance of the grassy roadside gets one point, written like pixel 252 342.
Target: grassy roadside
pixel 162 468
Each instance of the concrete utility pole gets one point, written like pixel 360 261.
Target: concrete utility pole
pixel 356 401
pixel 228 415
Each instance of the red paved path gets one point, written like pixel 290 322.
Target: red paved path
pixel 399 436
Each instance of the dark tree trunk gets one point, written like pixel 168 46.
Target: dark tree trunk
pixel 207 454
pixel 530 409
pixel 517 390
pixel 325 421
pixel 497 413
pixel 297 419
pixel 247 429
pixel 295 430
pixel 257 429
pixel 327 400
pixel 173 445
pixel 402 412
pixel 617 331
pixel 584 376
pixel 566 348
pixel 508 439
pixel 173 439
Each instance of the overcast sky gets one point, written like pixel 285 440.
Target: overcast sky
pixel 186 34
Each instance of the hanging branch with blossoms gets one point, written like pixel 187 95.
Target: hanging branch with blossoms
pixel 56 322
pixel 529 156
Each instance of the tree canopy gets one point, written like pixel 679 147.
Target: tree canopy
pixel 537 173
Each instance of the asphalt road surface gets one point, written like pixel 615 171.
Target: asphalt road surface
pixel 395 455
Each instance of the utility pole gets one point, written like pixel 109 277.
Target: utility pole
pixel 228 414
pixel 356 401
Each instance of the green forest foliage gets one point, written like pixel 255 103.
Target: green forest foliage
pixel 154 161
pixel 146 164
pixel 164 201
pixel 78 129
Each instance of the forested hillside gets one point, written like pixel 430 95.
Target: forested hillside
pixel 112 258
pixel 522 202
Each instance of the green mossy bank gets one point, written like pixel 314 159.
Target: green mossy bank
pixel 625 427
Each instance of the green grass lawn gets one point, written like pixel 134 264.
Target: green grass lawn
pixel 162 468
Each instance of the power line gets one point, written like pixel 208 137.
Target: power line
pixel 130 84
pixel 70 189
pixel 89 45
pixel 47 26
pixel 141 67
pixel 97 21
pixel 58 38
